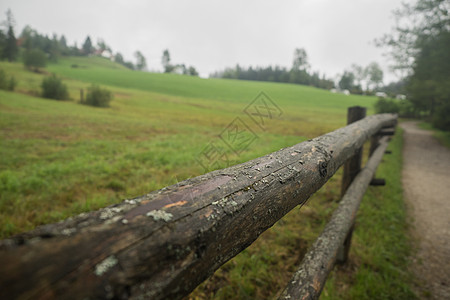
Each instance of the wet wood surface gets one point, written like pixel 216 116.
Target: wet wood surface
pixel 163 244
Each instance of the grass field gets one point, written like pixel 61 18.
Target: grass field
pixel 442 136
pixel 60 158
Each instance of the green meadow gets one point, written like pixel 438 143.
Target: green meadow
pixel 60 158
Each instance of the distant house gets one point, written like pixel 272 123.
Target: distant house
pixel 381 94
pixel 104 53
pixel 108 54
pixel 400 97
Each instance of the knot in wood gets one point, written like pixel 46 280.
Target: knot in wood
pixel 323 169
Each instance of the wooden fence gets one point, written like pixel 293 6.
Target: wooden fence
pixel 163 244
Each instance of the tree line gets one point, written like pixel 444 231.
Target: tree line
pixel 36 49
pixel 299 73
pixel 357 79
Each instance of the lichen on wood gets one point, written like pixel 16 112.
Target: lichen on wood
pixel 167 242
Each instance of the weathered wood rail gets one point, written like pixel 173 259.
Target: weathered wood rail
pixel 309 279
pixel 163 244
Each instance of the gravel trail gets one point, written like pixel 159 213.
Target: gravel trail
pixel 426 184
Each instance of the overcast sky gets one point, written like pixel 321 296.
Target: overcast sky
pixel 212 34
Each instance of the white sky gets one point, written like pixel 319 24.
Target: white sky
pixel 212 34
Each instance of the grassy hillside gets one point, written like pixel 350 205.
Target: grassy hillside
pixel 60 158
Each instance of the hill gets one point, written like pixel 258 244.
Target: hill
pixel 60 158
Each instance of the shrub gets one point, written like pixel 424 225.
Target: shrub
pixel 5 83
pixel 441 118
pixel 3 80
pixel 387 106
pixel 34 59
pixel 53 88
pixel 97 96
pixel 12 83
pixel 407 109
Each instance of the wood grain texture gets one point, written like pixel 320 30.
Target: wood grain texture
pixel 163 244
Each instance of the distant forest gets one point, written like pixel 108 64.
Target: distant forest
pixel 298 74
pixel 356 80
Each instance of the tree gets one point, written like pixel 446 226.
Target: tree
pixel 419 45
pixel 300 61
pixel 74 50
pixel 192 71
pixel 166 62
pixel 63 41
pixel 87 46
pixel 429 84
pixel 2 43
pixel 347 81
pixel 129 65
pixel 118 58
pixel 299 73
pixel 63 45
pixel 27 37
pixel 10 50
pixel 141 62
pixel 54 48
pixel 34 59
pixel 360 74
pixel 374 75
pixel 414 21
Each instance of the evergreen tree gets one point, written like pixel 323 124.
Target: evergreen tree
pixel 10 50
pixel 2 43
pixel 63 46
pixel 87 46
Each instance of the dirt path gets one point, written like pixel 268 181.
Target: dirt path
pixel 426 184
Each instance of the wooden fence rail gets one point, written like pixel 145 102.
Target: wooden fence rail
pixel 308 281
pixel 163 244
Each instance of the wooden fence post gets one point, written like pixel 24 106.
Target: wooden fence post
pixel 351 168
pixel 374 142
